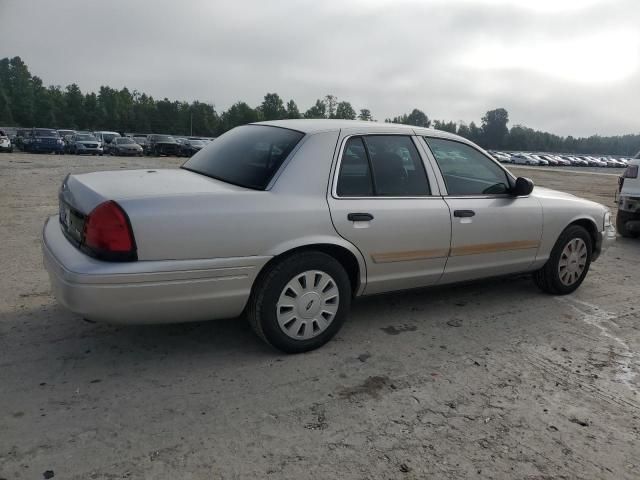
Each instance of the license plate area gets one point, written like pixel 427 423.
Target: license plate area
pixel 71 222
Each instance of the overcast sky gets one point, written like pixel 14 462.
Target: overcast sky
pixel 565 66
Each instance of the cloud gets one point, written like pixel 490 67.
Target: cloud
pixel 567 66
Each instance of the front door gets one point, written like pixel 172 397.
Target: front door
pixel 492 232
pixel 383 201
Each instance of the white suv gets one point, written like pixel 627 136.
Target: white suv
pixel 628 219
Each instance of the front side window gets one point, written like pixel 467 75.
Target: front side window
pixel 381 165
pixel 248 156
pixel 466 171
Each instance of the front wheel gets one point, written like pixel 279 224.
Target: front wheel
pixel 621 224
pixel 568 263
pixel 299 303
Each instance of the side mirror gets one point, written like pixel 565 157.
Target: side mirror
pixel 522 187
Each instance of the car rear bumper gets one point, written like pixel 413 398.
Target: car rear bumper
pixel 146 291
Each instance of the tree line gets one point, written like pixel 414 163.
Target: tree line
pixel 25 101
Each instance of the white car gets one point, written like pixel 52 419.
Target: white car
pixel 288 221
pixel 5 143
pixel 628 219
pixel 538 158
pixel 501 157
pixel 561 161
pixel 105 138
pixel 523 159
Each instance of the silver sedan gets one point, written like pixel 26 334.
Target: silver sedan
pixel 288 221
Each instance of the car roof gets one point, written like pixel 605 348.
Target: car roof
pixel 311 126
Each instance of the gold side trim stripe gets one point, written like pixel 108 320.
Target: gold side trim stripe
pixel 493 247
pixel 409 255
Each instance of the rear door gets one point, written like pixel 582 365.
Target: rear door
pixel 492 232
pixel 385 201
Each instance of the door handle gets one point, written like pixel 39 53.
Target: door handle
pixel 463 213
pixel 359 217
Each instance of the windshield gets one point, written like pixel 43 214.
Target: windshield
pixel 124 141
pixel 248 156
pixel 164 138
pixel 42 132
pixel 109 136
pixel 196 143
pixel 85 137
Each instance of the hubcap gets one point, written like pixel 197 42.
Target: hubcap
pixel 573 261
pixel 307 305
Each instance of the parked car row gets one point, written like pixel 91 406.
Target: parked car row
pixel 101 143
pixel 156 144
pixel 135 144
pixel 555 160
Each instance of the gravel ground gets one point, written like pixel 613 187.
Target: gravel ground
pixel 485 380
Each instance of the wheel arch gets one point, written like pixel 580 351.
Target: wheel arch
pixel 590 226
pixel 346 254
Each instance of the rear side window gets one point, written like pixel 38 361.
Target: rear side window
pixel 466 171
pixel 381 165
pixel 355 175
pixel 248 156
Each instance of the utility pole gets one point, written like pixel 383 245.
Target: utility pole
pixel 191 114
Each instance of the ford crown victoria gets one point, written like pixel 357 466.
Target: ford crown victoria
pixel 288 221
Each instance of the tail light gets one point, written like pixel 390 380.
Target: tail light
pixel 107 233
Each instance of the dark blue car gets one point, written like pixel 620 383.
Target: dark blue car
pixel 44 140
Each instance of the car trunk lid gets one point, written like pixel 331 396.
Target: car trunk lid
pixel 86 191
pixel 81 194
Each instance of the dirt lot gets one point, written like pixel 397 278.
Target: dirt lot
pixel 490 380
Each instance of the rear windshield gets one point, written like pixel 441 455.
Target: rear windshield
pixel 109 136
pixel 85 137
pixel 248 156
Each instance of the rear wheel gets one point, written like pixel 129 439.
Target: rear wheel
pixel 621 223
pixel 568 264
pixel 300 302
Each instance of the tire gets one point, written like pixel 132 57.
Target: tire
pixel 550 279
pixel 621 224
pixel 271 317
